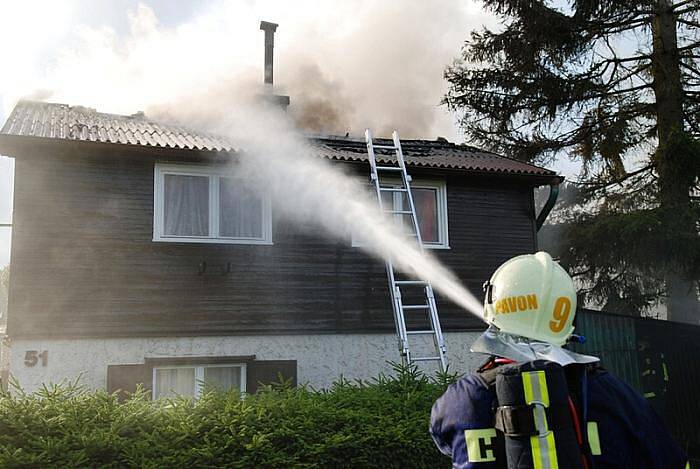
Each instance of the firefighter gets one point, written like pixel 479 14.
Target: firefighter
pixel 654 375
pixel 535 404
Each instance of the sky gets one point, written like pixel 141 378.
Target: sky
pixel 346 65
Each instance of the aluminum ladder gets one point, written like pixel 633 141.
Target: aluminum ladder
pixel 399 288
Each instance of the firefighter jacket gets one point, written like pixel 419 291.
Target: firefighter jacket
pixel 616 427
pixel 654 373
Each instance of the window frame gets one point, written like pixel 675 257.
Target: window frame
pixel 199 376
pixel 214 175
pixel 442 214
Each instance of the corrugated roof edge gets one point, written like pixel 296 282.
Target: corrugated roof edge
pixel 11 145
pixel 415 162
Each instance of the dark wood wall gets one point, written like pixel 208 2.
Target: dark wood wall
pixel 84 263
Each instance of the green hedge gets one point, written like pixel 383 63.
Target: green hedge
pixel 382 423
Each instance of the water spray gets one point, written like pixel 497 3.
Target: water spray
pixel 308 189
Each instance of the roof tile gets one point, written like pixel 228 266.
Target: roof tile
pixel 61 121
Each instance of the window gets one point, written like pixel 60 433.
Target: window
pixel 199 204
pixel 430 200
pixel 192 380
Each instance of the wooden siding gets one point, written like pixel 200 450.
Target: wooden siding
pixel 84 263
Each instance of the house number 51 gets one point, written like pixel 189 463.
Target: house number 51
pixel 32 357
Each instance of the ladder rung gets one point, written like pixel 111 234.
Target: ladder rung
pixel 393 190
pixel 410 282
pixel 420 332
pixel 399 212
pixel 424 359
pixel 388 168
pixel 415 307
pixel 385 147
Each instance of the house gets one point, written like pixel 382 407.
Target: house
pixel 118 280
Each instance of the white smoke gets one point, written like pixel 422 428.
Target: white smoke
pixel 357 63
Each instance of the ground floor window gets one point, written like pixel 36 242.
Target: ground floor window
pixel 193 380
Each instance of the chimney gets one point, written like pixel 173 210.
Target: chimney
pixel 282 101
pixel 269 29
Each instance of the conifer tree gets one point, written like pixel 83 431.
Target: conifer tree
pixel 614 85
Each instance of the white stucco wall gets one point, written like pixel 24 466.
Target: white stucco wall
pixel 320 358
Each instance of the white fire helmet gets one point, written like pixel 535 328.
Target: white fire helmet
pixel 532 296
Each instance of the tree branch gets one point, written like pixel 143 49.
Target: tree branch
pixel 602 27
pixel 596 186
pixel 689 46
pixel 687 10
pixel 681 4
pixel 626 90
pixel 628 27
pixel 691 69
pixel 629 75
pixel 628 59
pixel 689 22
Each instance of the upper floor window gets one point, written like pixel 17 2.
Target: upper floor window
pixel 430 200
pixel 201 204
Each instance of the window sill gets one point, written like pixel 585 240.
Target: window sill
pixel 262 242
pixel 425 246
pixel 435 246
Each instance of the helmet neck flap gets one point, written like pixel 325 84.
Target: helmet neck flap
pixel 523 349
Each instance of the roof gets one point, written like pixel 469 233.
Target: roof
pixel 77 123
pixel 61 121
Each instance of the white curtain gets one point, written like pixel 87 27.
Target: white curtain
pixel 223 378
pixel 186 205
pixel 240 210
pixel 171 382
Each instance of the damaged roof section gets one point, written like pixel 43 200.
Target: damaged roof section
pixel 428 153
pixel 76 123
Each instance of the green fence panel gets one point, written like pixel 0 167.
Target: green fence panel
pixel 619 342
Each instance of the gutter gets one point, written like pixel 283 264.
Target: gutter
pixel 549 205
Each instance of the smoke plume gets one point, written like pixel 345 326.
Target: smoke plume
pixel 346 65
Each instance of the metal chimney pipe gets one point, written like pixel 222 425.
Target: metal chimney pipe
pixel 269 29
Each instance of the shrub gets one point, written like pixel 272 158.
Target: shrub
pixel 382 423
